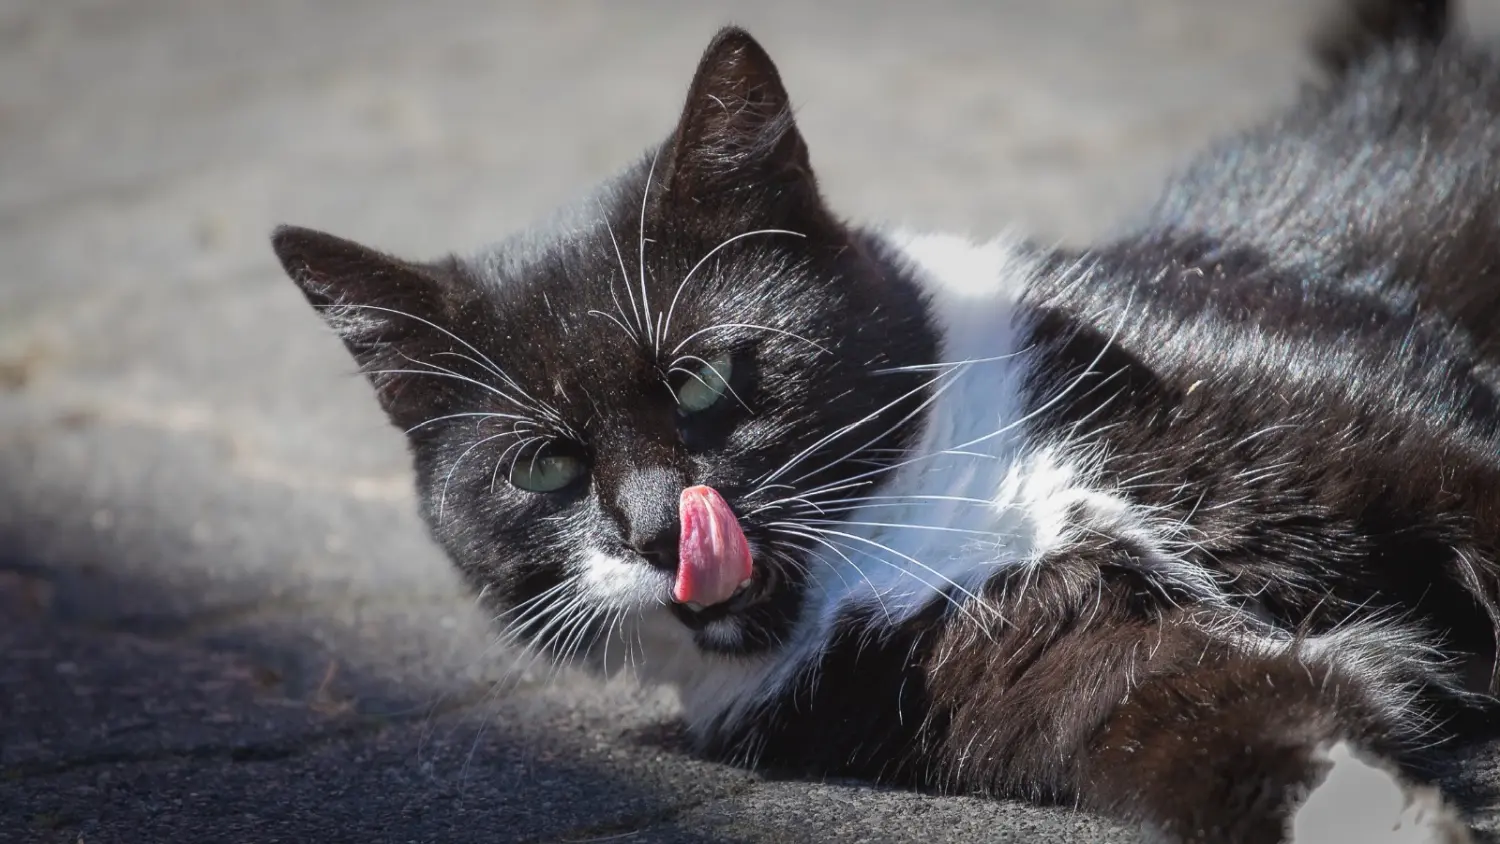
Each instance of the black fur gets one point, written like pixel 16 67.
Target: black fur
pixel 1293 359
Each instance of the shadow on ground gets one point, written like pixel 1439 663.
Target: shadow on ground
pixel 130 718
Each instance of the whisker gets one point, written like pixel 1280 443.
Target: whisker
pixel 677 368
pixel 936 394
pixel 519 446
pixel 954 364
pixel 441 373
pixel 793 335
pixel 957 605
pixel 1088 370
pixel 831 437
pixel 534 599
pixel 874 590
pixel 641 252
pixel 509 381
pixel 938 528
pixel 629 293
pixel 443 498
pixel 611 318
pixel 491 365
pixel 701 261
pixel 910 559
pixel 438 419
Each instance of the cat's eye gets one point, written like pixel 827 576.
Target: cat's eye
pixel 707 384
pixel 545 471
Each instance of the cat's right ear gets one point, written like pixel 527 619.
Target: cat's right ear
pixel 736 131
pixel 389 312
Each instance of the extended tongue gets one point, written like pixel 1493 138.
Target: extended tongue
pixel 713 556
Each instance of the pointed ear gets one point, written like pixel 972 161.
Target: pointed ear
pixel 736 131
pixel 388 312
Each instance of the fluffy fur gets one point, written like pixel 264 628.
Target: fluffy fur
pixel 1189 527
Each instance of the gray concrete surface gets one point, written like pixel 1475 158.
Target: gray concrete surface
pixel 219 617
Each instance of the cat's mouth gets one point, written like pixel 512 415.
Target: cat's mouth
pixel 754 590
pixel 716 573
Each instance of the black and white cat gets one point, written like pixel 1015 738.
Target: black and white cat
pixel 1190 528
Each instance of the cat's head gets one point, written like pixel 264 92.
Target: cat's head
pixel 702 321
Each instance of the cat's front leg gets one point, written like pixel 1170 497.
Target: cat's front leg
pixel 1271 743
pixel 1360 799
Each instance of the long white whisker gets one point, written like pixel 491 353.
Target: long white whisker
pixel 438 419
pixel 874 590
pixel 1088 370
pixel 952 364
pixel 441 373
pixel 667 325
pixel 629 292
pixel 939 528
pixel 842 504
pixel 793 335
pixel 518 446
pixel 834 435
pixel 611 318
pixel 509 381
pixel 540 596
pixel 927 402
pixel 914 561
pixel 958 498
pixel 491 365
pixel 443 498
pixel 788 527
pixel 725 381
pixel 641 252
pixel 522 399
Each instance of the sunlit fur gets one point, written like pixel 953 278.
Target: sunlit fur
pixel 1193 527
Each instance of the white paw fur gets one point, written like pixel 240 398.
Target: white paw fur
pixel 1358 801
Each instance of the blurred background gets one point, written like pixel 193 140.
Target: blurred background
pixel 220 619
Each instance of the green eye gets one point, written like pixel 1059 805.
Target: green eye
pixel 543 472
pixel 706 384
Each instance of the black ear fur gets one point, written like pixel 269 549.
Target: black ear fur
pixel 736 128
pixel 355 286
pixel 388 311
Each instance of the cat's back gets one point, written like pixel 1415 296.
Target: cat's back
pixel 1384 181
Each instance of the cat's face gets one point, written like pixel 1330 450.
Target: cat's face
pixel 701 322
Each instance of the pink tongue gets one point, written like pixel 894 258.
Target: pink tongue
pixel 713 556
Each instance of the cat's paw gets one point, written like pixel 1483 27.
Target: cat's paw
pixel 1364 802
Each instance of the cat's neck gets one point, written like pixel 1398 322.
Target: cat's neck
pixel 942 517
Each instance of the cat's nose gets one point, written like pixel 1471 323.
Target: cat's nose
pixel 647 509
pixel 659 547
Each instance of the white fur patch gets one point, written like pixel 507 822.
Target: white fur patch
pixel 613 583
pixel 964 502
pixel 649 644
pixel 1361 802
pixel 706 684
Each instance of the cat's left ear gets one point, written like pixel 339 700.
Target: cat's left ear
pixel 736 133
pixel 388 311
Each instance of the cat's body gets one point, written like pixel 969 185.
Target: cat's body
pixel 1171 528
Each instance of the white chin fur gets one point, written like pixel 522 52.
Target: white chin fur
pixel 1358 801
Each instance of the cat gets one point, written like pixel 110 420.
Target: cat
pixel 1191 528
